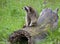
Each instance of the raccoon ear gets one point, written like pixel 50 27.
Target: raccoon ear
pixel 56 10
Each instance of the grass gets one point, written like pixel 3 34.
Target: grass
pixel 12 18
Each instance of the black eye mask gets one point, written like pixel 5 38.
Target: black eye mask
pixel 30 9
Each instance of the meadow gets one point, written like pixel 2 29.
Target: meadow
pixel 12 18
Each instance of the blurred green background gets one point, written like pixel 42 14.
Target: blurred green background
pixel 12 17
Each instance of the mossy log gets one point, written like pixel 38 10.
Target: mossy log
pixel 28 35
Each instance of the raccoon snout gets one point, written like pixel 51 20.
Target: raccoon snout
pixel 26 8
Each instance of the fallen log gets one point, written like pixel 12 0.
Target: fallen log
pixel 28 35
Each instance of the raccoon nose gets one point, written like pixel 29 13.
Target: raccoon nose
pixel 26 8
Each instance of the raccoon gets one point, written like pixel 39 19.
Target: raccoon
pixel 31 16
pixel 48 17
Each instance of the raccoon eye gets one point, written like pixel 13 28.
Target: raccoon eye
pixel 30 9
pixel 12 37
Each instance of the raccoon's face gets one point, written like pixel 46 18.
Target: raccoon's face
pixel 28 9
